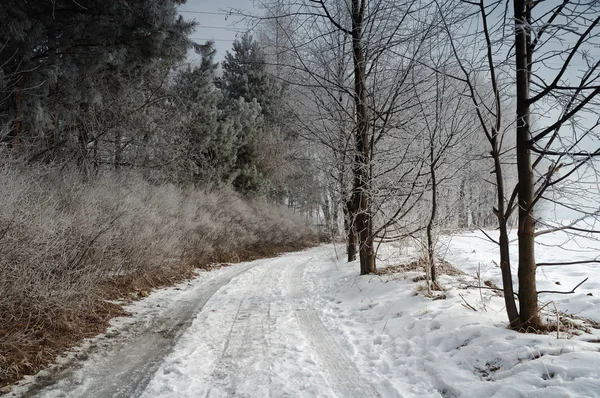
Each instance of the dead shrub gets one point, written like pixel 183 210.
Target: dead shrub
pixel 67 245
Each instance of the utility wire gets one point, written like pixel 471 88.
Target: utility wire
pixel 227 14
pixel 204 39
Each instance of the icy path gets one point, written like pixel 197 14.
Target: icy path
pixel 306 325
pixel 261 336
pixel 249 330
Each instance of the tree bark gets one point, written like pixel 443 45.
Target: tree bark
pixel 350 231
pixel 529 317
pixel 362 205
pixel 430 242
pixel 509 295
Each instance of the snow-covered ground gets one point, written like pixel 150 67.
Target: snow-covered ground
pixel 306 325
pixel 473 252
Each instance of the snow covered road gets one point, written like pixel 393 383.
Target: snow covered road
pixel 247 330
pixel 260 336
pixel 124 359
pixel 306 325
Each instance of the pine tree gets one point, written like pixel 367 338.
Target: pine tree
pixel 249 89
pixel 211 136
pixel 245 76
pixel 68 55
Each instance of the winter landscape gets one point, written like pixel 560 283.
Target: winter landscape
pixel 306 325
pixel 299 198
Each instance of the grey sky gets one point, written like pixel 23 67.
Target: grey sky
pixel 214 23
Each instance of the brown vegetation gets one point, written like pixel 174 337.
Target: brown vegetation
pixel 66 247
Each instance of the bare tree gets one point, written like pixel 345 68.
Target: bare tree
pixel 490 118
pixel 366 38
pixel 533 51
pixel 448 124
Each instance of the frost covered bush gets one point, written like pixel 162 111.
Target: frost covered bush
pixel 64 242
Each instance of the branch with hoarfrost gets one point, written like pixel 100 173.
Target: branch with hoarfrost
pixel 564 227
pixel 555 84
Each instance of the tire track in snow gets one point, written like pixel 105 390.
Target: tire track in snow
pixel 343 375
pixel 127 365
pixel 245 361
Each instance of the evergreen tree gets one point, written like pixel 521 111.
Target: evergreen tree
pixel 211 136
pixel 245 76
pixel 250 90
pixel 249 124
pixel 65 56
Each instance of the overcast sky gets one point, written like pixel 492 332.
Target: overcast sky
pixel 215 22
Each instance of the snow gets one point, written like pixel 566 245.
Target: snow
pixel 306 325
pixel 412 346
pixel 473 251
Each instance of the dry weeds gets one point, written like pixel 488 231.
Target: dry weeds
pixel 67 246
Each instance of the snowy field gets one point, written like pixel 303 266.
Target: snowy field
pixel 306 325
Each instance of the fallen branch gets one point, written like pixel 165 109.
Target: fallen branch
pixel 490 288
pixel 596 260
pixel 570 292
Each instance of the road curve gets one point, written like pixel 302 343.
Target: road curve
pixel 250 330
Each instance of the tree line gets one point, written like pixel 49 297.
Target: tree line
pixel 447 114
pixel 383 120
pixel 93 86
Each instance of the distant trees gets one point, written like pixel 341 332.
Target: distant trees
pixel 353 66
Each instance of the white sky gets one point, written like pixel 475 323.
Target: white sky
pixel 214 23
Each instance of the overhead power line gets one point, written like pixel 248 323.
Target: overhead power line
pixel 220 27
pixel 235 14
pixel 205 39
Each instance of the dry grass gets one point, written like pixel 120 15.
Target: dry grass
pixel 442 266
pixel 67 246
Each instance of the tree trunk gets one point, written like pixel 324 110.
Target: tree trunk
pixel 430 242
pixel 507 282
pixel 335 216
pixel 326 209
pixel 529 317
pixel 367 255
pixel 350 231
pixel 362 203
